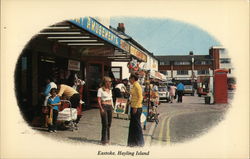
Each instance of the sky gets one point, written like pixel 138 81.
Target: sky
pixel 167 36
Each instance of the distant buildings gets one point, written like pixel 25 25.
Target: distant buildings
pixel 189 67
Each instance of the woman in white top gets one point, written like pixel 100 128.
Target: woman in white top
pixel 105 102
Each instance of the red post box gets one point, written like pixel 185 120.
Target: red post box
pixel 220 86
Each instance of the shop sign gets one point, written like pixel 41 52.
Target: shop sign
pixel 74 65
pixel 137 53
pixel 97 29
pixel 120 105
pixel 124 45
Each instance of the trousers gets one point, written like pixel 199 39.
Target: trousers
pixel 135 135
pixel 180 94
pixel 53 125
pixel 106 118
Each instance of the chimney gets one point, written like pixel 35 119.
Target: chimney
pixel 215 55
pixel 121 27
pixel 191 53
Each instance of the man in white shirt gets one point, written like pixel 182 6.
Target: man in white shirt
pixel 122 88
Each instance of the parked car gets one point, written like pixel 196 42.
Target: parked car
pixel 189 90
pixel 163 94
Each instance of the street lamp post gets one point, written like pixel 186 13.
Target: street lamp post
pixel 192 70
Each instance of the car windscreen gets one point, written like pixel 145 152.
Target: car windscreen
pixel 162 89
pixel 188 87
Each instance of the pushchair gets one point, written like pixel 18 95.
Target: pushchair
pixel 153 115
pixel 67 115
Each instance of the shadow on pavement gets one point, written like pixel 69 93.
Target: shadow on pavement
pixel 97 142
pixel 40 128
pixel 82 139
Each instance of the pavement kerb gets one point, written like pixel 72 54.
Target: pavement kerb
pixel 149 135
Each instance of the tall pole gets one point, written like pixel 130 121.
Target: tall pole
pixel 192 70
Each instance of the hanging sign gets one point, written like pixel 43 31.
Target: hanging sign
pixel 74 65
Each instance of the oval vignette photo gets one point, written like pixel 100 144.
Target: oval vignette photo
pixel 95 80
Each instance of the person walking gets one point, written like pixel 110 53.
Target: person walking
pixel 172 90
pixel 135 135
pixel 180 90
pixel 105 102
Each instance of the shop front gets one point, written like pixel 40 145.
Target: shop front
pixel 80 47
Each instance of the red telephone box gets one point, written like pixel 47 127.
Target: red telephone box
pixel 220 86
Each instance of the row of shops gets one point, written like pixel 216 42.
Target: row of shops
pixel 82 47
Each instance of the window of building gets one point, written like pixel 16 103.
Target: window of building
pixel 164 72
pixel 117 71
pixel 203 72
pixel 202 62
pixel 182 63
pixel 225 60
pixel 182 72
pixel 162 63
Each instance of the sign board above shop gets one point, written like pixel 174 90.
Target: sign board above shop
pixel 137 53
pixel 74 65
pixel 96 28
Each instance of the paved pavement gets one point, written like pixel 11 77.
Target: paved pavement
pixel 90 130
pixel 90 124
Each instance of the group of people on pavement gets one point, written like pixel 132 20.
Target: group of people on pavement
pixel 53 93
pixel 105 102
pixel 106 97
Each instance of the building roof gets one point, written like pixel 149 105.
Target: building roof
pixel 183 58
pixel 129 39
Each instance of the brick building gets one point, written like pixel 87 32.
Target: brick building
pixel 189 67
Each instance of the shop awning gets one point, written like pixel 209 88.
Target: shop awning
pixel 86 32
pixel 77 34
pixel 91 25
pixel 158 75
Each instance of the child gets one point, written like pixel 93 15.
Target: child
pixel 53 102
